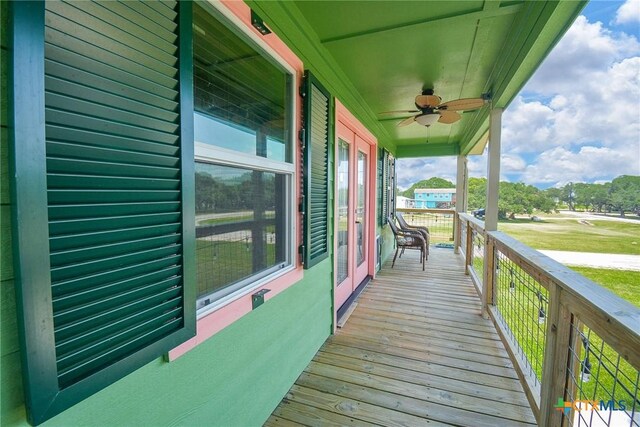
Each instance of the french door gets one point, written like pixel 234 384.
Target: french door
pixel 353 216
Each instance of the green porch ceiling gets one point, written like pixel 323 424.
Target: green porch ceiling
pixel 390 51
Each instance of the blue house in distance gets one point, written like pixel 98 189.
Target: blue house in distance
pixel 435 198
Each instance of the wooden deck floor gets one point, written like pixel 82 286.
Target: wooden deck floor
pixel 415 351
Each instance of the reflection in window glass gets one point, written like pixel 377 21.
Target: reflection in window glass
pixel 241 98
pixel 361 207
pixel 343 212
pixel 240 227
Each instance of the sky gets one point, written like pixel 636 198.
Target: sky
pixel 578 117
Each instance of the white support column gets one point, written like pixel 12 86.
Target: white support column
pixel 491 210
pixel 461 198
pixel 493 170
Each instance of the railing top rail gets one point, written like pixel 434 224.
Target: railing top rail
pixel 617 321
pixel 427 210
pixel 475 222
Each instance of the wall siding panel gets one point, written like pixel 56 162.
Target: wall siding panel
pixel 220 382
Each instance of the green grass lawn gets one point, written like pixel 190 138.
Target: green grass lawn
pixel 221 263
pixel 571 235
pixel 623 283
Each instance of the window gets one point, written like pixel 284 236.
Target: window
pixel 243 101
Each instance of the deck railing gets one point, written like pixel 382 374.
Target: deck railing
pixel 575 345
pixel 440 222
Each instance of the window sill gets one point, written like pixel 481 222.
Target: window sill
pixel 218 319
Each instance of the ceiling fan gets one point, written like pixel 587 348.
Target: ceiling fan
pixel 431 109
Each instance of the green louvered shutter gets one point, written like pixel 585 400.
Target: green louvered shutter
pixel 391 185
pixel 318 113
pixel 382 186
pixel 119 197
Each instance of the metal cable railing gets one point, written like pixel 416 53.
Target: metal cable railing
pixel 574 345
pixel 522 304
pixel 440 222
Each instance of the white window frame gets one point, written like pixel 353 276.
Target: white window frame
pixel 206 153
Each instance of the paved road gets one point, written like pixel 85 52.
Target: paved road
pixel 597 217
pixel 590 259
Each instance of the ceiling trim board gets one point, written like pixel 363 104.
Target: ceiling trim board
pixel 448 19
pixel 427 150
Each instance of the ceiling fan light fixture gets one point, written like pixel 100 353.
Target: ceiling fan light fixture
pixel 427 119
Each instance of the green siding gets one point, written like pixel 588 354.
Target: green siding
pixel 236 377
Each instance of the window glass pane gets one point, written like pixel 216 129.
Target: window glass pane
pixel 241 227
pixel 241 98
pixel 343 211
pixel 361 210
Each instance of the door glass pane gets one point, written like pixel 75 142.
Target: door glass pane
pixel 361 207
pixel 343 211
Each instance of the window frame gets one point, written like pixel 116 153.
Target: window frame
pixel 211 154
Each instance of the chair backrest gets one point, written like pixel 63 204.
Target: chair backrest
pixel 401 220
pixel 392 224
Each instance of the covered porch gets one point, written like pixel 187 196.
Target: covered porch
pixel 414 351
pixel 492 333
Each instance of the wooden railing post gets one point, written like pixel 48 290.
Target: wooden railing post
pixel 556 359
pixel 456 233
pixel 468 254
pixel 488 275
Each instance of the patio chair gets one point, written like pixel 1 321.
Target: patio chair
pixel 407 239
pixel 422 229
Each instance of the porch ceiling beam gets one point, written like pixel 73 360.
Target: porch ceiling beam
pixel 423 24
pixel 427 150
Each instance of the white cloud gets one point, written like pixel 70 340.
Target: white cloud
pixel 559 165
pixel 581 110
pixel 585 49
pixel 512 163
pixel 629 12
pixel 409 171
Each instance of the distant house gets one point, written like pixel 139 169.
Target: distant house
pixel 404 202
pixel 435 198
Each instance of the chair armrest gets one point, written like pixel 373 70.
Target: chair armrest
pixel 417 236
pixel 420 227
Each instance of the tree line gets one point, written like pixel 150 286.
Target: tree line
pixel 620 195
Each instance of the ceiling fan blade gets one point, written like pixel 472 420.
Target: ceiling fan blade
pixel 464 104
pixel 400 112
pixel 431 101
pixel 407 121
pixel 448 117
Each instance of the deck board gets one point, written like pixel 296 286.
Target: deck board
pixel 415 351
